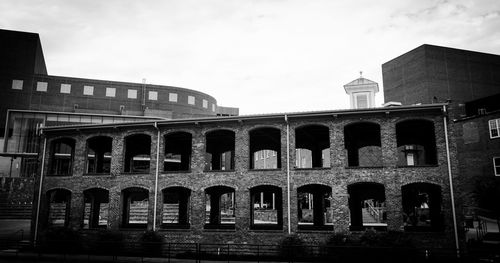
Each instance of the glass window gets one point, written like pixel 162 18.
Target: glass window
pixel 17 84
pixel 213 107
pixel 66 88
pixel 41 86
pixel 205 104
pixel 496 165
pixel 191 100
pixel 88 90
pixel 266 208
pixel 494 128
pixel 361 101
pixel 153 95
pixel 110 92
pixel 132 94
pixel 172 97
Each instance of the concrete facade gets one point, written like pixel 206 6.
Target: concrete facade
pixel 337 178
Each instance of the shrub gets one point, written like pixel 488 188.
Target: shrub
pixel 151 243
pixel 293 247
pixel 61 240
pixel 108 242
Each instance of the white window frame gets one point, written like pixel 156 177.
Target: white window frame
pixel 491 123
pixel 153 95
pixel 361 94
pixel 17 84
pixel 110 92
pixel 496 165
pixel 88 90
pixel 191 100
pixel 132 93
pixel 65 88
pixel 205 103
pixel 172 97
pixel 41 86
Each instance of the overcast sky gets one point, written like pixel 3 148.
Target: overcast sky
pixel 263 56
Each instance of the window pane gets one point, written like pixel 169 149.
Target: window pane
pixel 66 88
pixel 132 94
pixel 172 97
pixel 88 90
pixel 17 84
pixel 110 92
pixel 191 100
pixel 153 95
pixel 41 86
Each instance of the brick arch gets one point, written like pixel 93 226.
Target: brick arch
pixel 174 186
pixel 210 130
pixel 164 133
pixel 266 182
pixel 316 182
pixel 265 126
pixel 133 185
pixel 95 187
pixel 59 188
pixel 422 182
pixel 305 125
pixel 87 136
pixel 220 184
pixel 375 180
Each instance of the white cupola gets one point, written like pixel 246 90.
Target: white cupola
pixel 361 92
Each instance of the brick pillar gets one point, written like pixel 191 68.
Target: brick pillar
pixel 76 210
pixel 340 209
pixel 294 221
pixel 394 207
pixel 198 162
pixel 117 155
pixel 198 210
pixel 338 153
pixel 242 146
pixel 389 143
pixel 114 209
pixel 151 207
pixel 242 200
pixel 79 157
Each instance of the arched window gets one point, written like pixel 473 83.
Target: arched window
pixel 59 203
pixel 176 206
pixel 314 207
pixel 220 207
pixel 220 150
pixel 99 155
pixel 265 148
pixel 266 207
pixel 137 153
pixel 62 156
pixel 363 144
pixel 96 204
pixel 177 152
pixel 367 206
pixel 135 207
pixel 416 143
pixel 312 144
pixel 422 207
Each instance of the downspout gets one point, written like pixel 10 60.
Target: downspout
pixel 450 178
pixel 288 172
pixel 39 201
pixel 156 174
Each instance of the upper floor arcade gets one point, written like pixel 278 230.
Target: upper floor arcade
pixel 356 139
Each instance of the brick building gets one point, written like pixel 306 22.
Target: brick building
pixel 197 180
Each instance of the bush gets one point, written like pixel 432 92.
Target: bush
pixel 108 242
pixel 151 243
pixel 292 247
pixel 61 240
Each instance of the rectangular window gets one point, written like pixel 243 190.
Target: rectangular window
pixel 132 94
pixel 110 92
pixel 494 128
pixel 41 86
pixel 172 97
pixel 88 90
pixel 496 165
pixel 66 88
pixel 361 101
pixel 191 100
pixel 205 104
pixel 213 107
pixel 17 84
pixel 153 95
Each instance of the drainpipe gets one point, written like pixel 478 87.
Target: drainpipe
pixel 450 178
pixel 156 174
pixel 39 201
pixel 288 172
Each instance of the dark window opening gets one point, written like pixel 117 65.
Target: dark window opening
pixel 135 207
pixel 265 142
pixel 367 206
pixel 176 207
pixel 177 152
pixel 62 156
pixel 363 144
pixel 220 150
pixel 266 207
pixel 96 204
pixel 416 143
pixel 422 207
pixel 315 207
pixel 99 155
pixel 137 153
pixel 312 146
pixel 219 208
pixel 59 207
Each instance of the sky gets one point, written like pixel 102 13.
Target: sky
pixel 262 56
